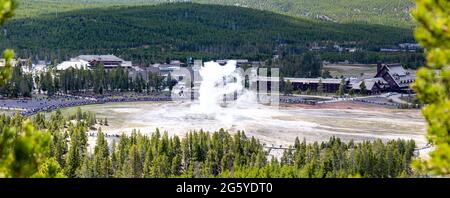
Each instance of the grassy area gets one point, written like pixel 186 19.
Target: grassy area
pixel 338 70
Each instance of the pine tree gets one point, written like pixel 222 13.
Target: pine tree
pixel 433 87
pixel 114 162
pixel 102 162
pixel 86 168
pixel 79 114
pixel 7 8
pixel 341 90
pixel 73 160
pixel 99 79
pixel 134 165
pixel 176 165
pixel 363 88
pixel 351 92
pixel 288 88
pixel 212 162
pixel 60 148
pixel 282 83
pixel 23 149
pixel 50 168
pixel 77 150
pixel 320 87
pixel 170 82
pixel 147 169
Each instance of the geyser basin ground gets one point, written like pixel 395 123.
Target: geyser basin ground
pixel 278 126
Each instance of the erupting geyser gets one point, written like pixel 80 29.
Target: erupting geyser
pixel 218 82
pixel 222 93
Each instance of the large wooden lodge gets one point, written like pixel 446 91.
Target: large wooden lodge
pixel 389 78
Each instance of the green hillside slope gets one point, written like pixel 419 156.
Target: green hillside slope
pixel 182 30
pixel 383 12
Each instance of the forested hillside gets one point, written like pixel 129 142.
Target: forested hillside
pixel 155 33
pixel 385 12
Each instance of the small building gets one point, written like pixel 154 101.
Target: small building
pixel 165 69
pixel 172 69
pixel 373 85
pixel 390 50
pixel 409 46
pixel 177 63
pixel 108 61
pixel 14 62
pixel 143 72
pixel 239 62
pixel 330 85
pixel 74 64
pixel 38 69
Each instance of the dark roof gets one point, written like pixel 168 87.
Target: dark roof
pixel 303 80
pixel 402 77
pixel 370 83
pixel 108 58
pixel 152 69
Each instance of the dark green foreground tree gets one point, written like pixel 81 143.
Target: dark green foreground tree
pixel 24 151
pixel 7 8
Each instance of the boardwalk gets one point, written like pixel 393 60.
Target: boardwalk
pixel 33 106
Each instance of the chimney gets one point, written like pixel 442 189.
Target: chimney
pixel 379 67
